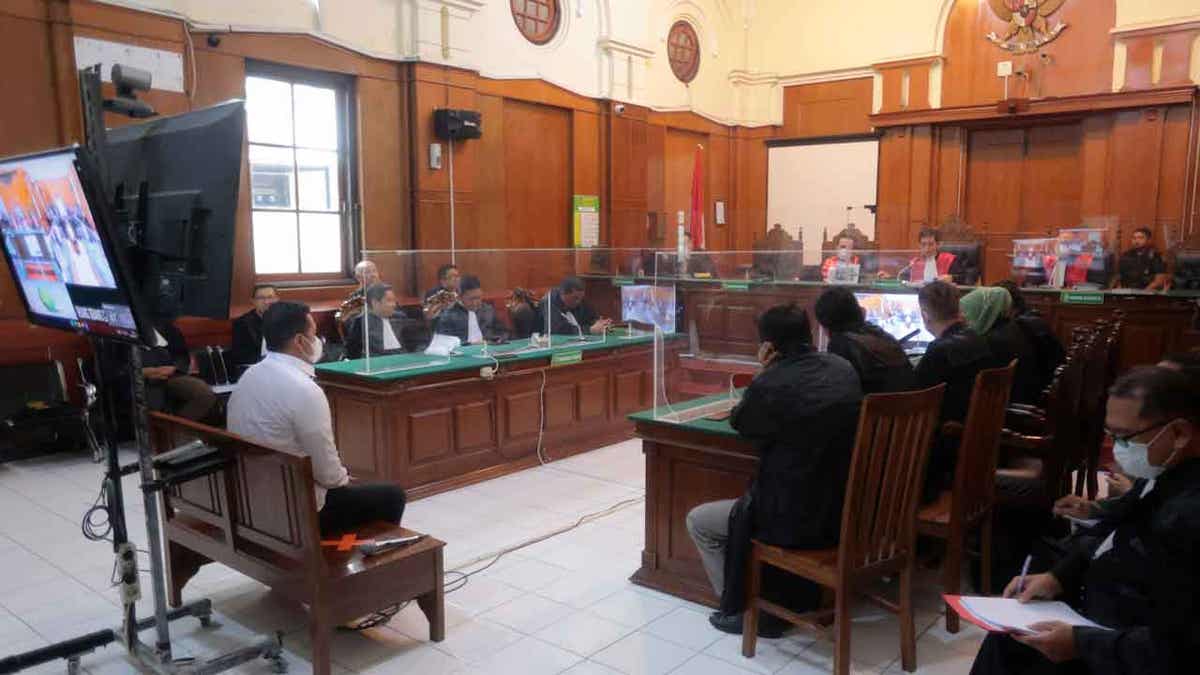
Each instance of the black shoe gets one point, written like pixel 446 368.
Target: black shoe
pixel 769 627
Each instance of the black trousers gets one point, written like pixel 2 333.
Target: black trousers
pixel 349 506
pixel 779 586
pixel 1001 655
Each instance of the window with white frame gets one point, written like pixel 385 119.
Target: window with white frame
pixel 301 145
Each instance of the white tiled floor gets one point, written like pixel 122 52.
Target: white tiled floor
pixel 563 605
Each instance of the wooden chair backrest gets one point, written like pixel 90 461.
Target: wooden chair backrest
pixel 1113 345
pixel 1062 418
pixel 975 473
pixel 862 242
pixel 1095 372
pixel 262 507
pixel 887 471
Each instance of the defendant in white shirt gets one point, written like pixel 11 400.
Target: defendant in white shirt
pixel 278 404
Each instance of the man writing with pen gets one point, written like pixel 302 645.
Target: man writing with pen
pixel 1140 578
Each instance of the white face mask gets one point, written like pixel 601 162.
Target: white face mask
pixel 314 350
pixel 1134 458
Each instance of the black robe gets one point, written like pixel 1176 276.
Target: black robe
pixel 583 314
pixel 1147 589
pixel 247 341
pixel 801 414
pixel 955 358
pixel 877 357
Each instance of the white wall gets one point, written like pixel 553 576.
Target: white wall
pixel 617 48
pixel 810 186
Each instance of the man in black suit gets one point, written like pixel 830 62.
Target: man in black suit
pixel 381 305
pixel 955 357
pixel 570 313
pixel 1137 575
pixel 470 319
pixel 166 367
pixel 248 345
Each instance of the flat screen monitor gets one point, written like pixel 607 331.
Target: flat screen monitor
pixel 178 178
pixel 654 305
pixel 897 313
pixel 59 246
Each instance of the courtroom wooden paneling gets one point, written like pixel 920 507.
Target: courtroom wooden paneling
pixel 382 111
pixel 538 152
pixel 892 222
pixel 839 108
pixel 906 83
pixel 1173 44
pixel 435 432
pixel 750 191
pixel 1118 161
pixel 44 113
pixel 628 158
pixel 678 160
pixel 1080 60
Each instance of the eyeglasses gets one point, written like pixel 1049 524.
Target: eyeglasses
pixel 1125 438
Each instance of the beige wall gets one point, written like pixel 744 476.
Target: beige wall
pixel 1152 11
pixel 617 48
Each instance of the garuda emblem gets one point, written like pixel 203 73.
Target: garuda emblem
pixel 1028 24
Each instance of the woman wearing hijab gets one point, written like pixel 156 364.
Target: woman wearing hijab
pixel 988 311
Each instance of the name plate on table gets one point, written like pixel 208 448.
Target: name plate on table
pixel 565 358
pixel 735 285
pixel 622 281
pixel 888 283
pixel 1082 298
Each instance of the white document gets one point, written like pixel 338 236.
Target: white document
pixel 1008 614
pixel 442 345
pixel 1083 522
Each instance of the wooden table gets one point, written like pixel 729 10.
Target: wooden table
pixel 432 428
pixel 687 465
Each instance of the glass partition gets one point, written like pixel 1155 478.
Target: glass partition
pixel 704 307
pixel 1082 258
pixel 429 309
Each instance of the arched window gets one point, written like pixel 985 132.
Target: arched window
pixel 536 19
pixel 683 51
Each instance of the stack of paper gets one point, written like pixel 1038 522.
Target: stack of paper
pixel 1007 615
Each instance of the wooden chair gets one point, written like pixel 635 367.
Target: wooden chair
pixel 1097 375
pixel 959 239
pixel 861 241
pixel 777 255
pixel 259 516
pixel 887 470
pixel 1038 446
pixel 969 504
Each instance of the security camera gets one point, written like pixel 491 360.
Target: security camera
pixel 213 40
pixel 1046 58
pixel 620 108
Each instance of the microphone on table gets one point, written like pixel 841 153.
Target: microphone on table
pixel 377 546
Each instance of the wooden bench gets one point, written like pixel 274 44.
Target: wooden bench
pixel 259 517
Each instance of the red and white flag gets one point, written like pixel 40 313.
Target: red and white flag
pixel 697 219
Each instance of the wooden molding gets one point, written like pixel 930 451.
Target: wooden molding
pixel 908 63
pixel 1145 30
pixel 1041 108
